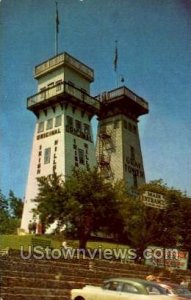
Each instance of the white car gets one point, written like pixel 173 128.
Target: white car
pixel 122 288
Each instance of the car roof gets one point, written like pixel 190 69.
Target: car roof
pixel 133 280
pixel 138 283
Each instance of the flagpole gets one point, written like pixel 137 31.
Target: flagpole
pixel 116 62
pixel 56 30
pixel 56 43
pixel 117 81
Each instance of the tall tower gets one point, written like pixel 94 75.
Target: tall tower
pixel 63 134
pixel 118 144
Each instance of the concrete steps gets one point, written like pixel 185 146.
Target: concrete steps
pixel 34 291
pixel 55 276
pixel 20 296
pixel 40 283
pixel 53 279
pixel 65 267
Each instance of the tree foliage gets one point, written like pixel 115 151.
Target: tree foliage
pixel 15 205
pixel 84 201
pixel 10 213
pixel 170 227
pixel 87 204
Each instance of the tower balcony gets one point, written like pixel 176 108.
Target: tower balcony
pixel 63 93
pixel 122 100
pixel 64 59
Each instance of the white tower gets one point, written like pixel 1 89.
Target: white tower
pixel 63 134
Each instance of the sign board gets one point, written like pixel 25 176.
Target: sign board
pixel 154 200
pixel 166 257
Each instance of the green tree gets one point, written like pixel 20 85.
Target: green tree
pixel 135 230
pixel 4 215
pixel 15 205
pixel 84 200
pixel 10 213
pixel 174 221
pixel 146 226
pixel 3 203
pixel 185 226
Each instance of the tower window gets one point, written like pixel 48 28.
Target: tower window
pixel 40 127
pixel 58 121
pixel 132 152
pixel 81 156
pixel 56 142
pixel 87 129
pixel 69 121
pixel 135 181
pixel 78 125
pixel 49 124
pixel 47 153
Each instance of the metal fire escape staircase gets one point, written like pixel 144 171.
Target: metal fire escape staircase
pixel 105 147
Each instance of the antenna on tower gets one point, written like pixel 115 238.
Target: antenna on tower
pixel 56 29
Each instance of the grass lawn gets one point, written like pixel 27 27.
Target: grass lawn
pixel 105 245
pixel 16 241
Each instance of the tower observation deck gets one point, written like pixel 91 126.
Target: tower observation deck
pixel 122 100
pixel 63 90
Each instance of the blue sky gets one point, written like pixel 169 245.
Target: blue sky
pixel 154 48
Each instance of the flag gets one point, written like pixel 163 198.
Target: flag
pixel 57 19
pixel 115 58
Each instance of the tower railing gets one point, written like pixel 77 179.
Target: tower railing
pixel 63 59
pixel 122 91
pixel 60 89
